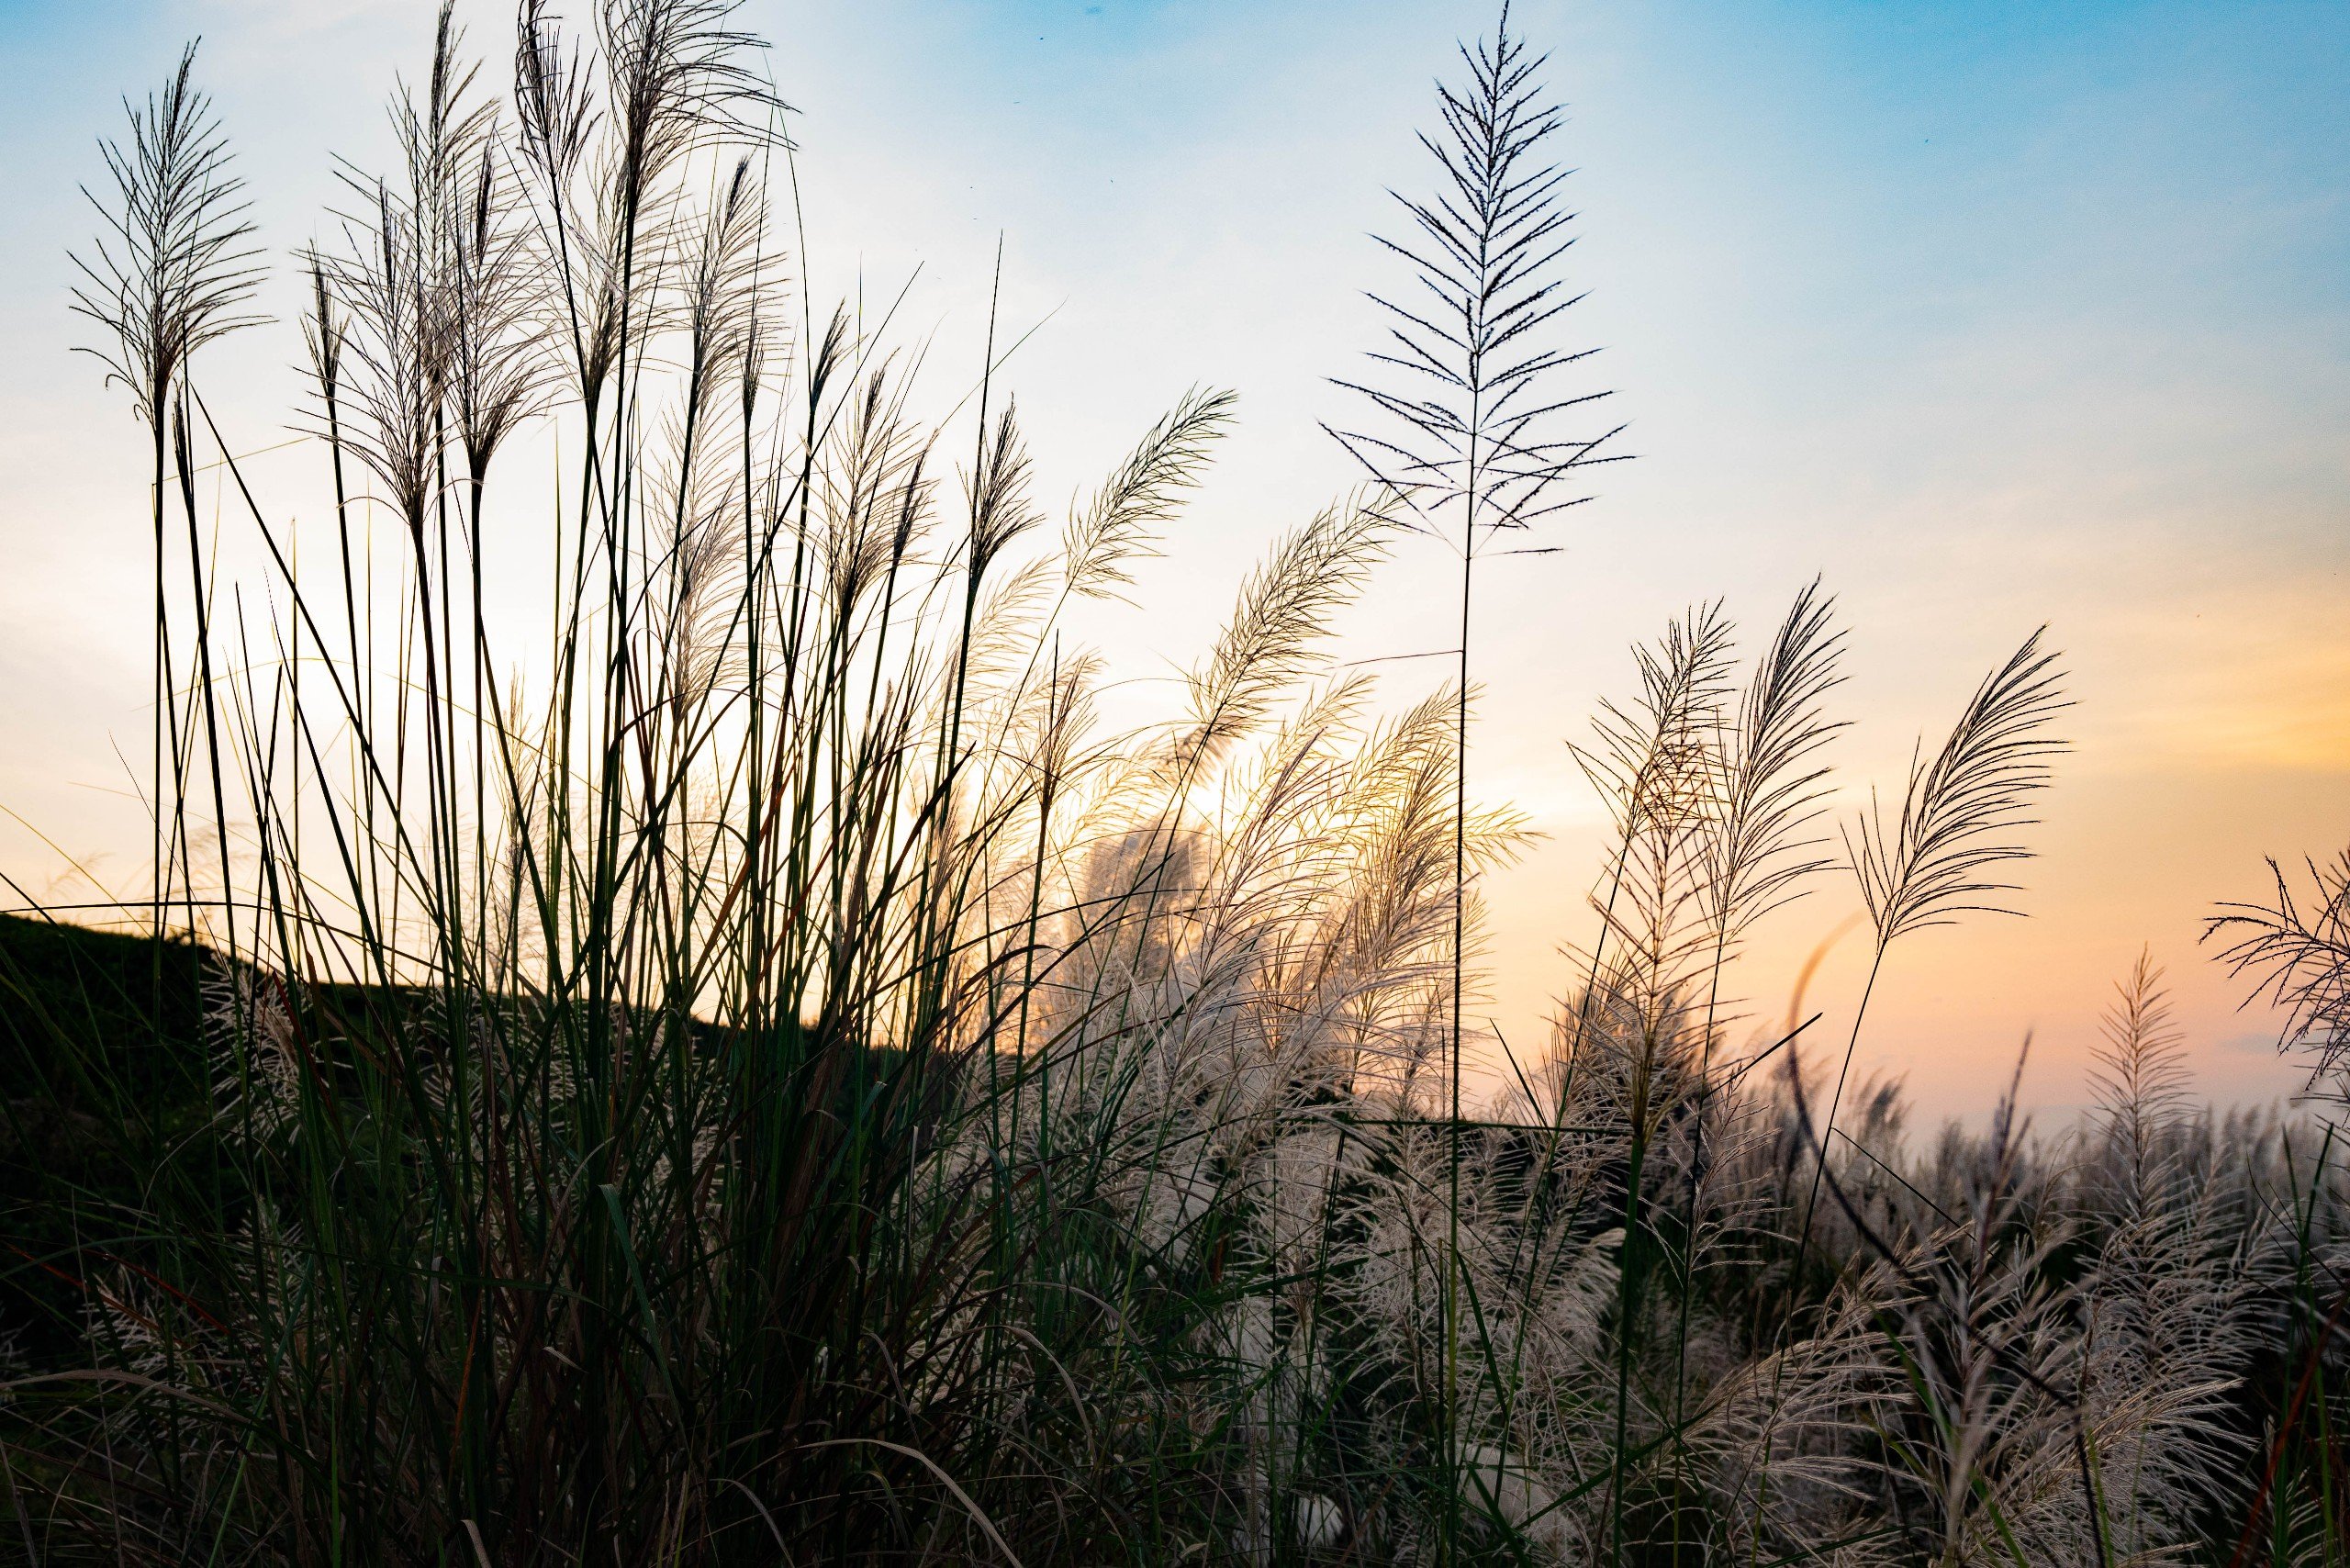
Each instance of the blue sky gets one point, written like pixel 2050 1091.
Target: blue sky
pixel 1996 314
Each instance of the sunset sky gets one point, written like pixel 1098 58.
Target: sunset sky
pixel 1994 315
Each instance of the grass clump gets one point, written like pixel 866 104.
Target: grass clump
pixel 794 1084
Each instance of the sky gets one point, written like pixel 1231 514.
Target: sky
pixel 1994 314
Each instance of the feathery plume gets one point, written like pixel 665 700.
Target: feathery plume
pixel 177 268
pixel 1117 525
pixel 1929 866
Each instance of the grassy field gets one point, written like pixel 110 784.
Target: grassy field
pixel 790 1083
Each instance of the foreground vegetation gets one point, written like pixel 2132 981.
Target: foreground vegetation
pixel 794 1084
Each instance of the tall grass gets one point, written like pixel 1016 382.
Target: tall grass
pixel 793 1083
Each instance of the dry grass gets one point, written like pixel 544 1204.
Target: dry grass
pixel 801 1088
